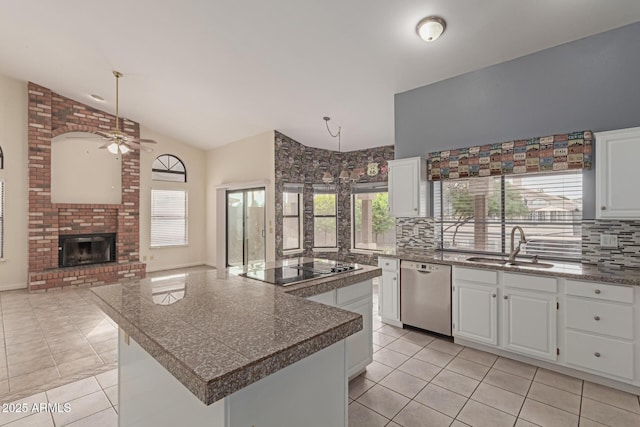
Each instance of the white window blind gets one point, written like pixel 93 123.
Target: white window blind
pixel 168 217
pixel 291 216
pixel 1 219
pixel 478 214
pixel 324 217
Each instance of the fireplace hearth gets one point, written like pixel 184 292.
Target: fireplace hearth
pixel 84 249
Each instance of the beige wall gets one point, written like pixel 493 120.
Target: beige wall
pixel 249 160
pixel 13 140
pixel 194 160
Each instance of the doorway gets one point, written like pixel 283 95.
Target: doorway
pixel 246 234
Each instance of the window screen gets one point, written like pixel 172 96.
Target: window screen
pixel 478 214
pixel 291 216
pixel 324 217
pixel 168 217
pixel 372 227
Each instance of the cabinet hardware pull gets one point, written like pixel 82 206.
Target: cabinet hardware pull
pixel 505 297
pixel 603 208
pixel 596 318
pixel 597 291
pixel 596 354
pixel 493 295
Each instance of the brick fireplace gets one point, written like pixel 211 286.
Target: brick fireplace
pixel 51 115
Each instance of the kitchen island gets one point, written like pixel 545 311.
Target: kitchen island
pixel 212 348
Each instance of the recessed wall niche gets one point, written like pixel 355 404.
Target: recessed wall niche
pixel 81 172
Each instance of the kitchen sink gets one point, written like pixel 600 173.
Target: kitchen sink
pixel 503 261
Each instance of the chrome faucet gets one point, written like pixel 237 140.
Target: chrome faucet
pixel 514 251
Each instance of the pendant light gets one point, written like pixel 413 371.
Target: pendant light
pixel 344 173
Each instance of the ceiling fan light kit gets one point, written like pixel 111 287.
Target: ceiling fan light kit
pixel 431 28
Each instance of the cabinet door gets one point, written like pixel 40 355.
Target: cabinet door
pixel 389 296
pixel 529 323
pixel 476 312
pixel 360 344
pixel 407 187
pixel 616 160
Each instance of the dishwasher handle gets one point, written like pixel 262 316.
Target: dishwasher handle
pixel 424 271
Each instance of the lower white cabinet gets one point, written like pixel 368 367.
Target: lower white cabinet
pixel 606 355
pixel 476 312
pixel 529 323
pixel 357 298
pixel 389 292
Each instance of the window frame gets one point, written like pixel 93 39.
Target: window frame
pixel 503 221
pixel 168 168
pixel 319 189
pixel 186 219
pixel 298 190
pixel 364 188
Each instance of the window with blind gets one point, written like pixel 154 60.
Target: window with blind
pixel 292 217
pixel 372 227
pixel 168 218
pixel 478 214
pixel 324 217
pixel 1 219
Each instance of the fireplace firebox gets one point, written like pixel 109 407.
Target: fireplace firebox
pixel 84 249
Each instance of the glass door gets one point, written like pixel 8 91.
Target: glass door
pixel 246 237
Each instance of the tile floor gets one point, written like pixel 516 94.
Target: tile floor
pixel 415 379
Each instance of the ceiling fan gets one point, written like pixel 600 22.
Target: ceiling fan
pixel 118 142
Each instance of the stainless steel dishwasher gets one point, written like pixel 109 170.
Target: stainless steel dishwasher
pixel 425 296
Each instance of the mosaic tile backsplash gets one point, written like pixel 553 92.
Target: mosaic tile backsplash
pixel 415 235
pixel 627 254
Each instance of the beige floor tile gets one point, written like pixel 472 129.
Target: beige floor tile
pixel 611 396
pixel 417 338
pixel 27 356
pixel 376 371
pixel 78 366
pixel 102 336
pixel 33 380
pixel 383 400
pixel 607 414
pixel 445 347
pixel 78 352
pixel 17 369
pixel 357 387
pixel 26 347
pixel 434 357
pixel 382 339
pixel 558 380
pixel 403 383
pixel 547 416
pixel 35 335
pixel 73 390
pixel 41 419
pixel 361 416
pixel 404 347
pixel 109 356
pixel 390 357
pixel 83 407
pixel 4 388
pixel 555 397
pixel 586 422
pixel 393 424
pixel 457 423
pixel 105 418
pixel 104 346
pixel 423 370
pixel 498 398
pixel 8 417
pixel 525 423
pixel 516 368
pixel 441 400
pixel 417 415
pixel 456 382
pixel 478 415
pixel 393 331
pixel 376 347
pixel 468 368
pixel 478 356
pixel 508 381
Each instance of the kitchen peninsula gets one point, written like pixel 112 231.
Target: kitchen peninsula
pixel 213 348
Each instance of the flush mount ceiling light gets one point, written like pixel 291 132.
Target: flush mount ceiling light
pixel 430 28
pixel 97 97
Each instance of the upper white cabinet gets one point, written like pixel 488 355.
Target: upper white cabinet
pixel 617 154
pixel 408 190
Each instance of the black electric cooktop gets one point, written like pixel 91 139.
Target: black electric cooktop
pixel 291 274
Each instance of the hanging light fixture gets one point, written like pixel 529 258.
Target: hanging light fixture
pixel 344 173
pixel 430 28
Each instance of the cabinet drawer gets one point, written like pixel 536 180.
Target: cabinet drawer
pixel 600 291
pixel 390 264
pixel 533 283
pixel 354 292
pixel 605 355
pixel 600 317
pixel 475 275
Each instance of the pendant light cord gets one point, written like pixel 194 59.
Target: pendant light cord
pixel 337 135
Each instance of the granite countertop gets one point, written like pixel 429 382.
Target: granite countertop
pixel 578 271
pixel 222 332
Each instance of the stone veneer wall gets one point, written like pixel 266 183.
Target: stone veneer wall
pixel 51 115
pixel 296 163
pixel 628 252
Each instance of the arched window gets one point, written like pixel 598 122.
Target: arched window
pixel 168 168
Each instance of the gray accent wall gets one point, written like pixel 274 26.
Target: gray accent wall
pixel 591 83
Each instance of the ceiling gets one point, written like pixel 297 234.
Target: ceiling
pixel 211 72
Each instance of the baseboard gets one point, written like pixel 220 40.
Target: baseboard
pixel 13 287
pixel 173 267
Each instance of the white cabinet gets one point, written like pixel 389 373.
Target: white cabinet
pixel 529 323
pixel 408 190
pixel 476 312
pixel 389 292
pixel 617 154
pixel 357 298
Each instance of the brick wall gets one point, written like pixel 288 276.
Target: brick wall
pixel 51 115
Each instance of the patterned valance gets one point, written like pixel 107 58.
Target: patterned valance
pixel 549 153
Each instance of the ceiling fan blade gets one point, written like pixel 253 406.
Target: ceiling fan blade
pixel 132 144
pixel 145 140
pixel 83 137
